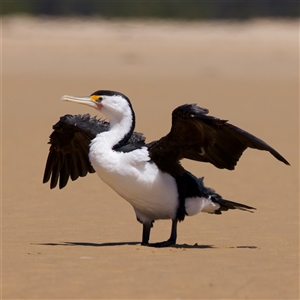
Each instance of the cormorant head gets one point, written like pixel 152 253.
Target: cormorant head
pixel 108 102
pixel 111 104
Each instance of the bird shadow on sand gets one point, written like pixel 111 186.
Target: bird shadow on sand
pixel 113 244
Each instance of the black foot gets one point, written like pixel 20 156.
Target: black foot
pixel 162 244
pixel 171 241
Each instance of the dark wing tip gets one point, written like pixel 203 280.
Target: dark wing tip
pixel 282 159
pixel 251 141
pixel 279 157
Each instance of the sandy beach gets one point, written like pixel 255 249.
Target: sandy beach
pixel 83 242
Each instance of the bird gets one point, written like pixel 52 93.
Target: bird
pixel 149 176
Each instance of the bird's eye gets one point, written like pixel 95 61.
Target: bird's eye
pixel 96 98
pixel 99 99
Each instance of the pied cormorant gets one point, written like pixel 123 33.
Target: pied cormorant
pixel 148 176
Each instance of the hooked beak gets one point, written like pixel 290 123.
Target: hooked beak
pixel 93 101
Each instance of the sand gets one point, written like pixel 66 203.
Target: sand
pixel 82 242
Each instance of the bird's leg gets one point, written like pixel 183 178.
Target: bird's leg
pixel 146 234
pixel 173 236
pixel 171 240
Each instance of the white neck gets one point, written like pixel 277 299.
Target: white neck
pixel 120 125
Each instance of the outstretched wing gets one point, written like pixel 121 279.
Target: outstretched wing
pixel 70 140
pixel 197 136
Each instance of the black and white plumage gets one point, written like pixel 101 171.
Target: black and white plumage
pixel 149 176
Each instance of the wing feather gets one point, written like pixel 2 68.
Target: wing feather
pixel 195 135
pixel 69 148
pixel 64 171
pixel 74 171
pixel 55 171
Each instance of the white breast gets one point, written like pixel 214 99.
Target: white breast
pixel 152 193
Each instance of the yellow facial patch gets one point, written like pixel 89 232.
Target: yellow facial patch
pixel 95 98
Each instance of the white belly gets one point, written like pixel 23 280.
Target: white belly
pixel 152 193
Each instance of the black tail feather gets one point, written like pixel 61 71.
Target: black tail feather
pixel 226 205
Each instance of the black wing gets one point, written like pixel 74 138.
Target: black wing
pixel 196 136
pixel 70 140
